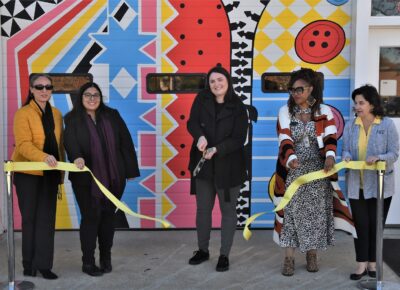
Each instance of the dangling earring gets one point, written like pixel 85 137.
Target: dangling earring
pixel 311 101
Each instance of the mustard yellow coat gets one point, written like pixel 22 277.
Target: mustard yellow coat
pixel 29 135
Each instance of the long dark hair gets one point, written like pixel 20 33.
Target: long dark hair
pixel 32 78
pixel 78 108
pixel 312 78
pixel 371 95
pixel 230 94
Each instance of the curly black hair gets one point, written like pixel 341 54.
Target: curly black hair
pixel 313 79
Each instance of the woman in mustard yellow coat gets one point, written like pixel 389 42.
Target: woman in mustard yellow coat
pixel 38 137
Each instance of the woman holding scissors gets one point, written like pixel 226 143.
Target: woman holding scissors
pixel 218 124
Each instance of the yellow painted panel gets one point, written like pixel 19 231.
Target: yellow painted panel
pixel 285 64
pixel 261 64
pixel 167 154
pixel 167 179
pixel 286 18
pixel 167 205
pixel 340 17
pixel 166 124
pixel 64 39
pixel 167 11
pixel 285 41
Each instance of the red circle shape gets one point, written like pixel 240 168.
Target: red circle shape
pixel 320 41
pixel 339 121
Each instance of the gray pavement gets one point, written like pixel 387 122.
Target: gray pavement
pixel 159 260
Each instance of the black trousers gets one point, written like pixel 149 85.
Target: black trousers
pixel 97 224
pixel 364 216
pixel 37 200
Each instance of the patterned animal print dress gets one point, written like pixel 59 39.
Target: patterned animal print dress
pixel 308 218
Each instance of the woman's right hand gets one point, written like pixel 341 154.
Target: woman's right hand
pixel 294 164
pixel 79 162
pixel 202 144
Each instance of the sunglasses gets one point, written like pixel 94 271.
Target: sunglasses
pixel 90 96
pixel 41 87
pixel 297 90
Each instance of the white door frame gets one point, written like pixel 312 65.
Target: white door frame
pixel 384 37
pixel 369 33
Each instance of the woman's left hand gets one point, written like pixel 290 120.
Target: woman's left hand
pixel 372 159
pixel 329 163
pixel 209 153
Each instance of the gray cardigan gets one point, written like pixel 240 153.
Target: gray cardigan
pixel 384 143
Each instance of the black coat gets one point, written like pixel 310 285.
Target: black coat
pixel 227 132
pixel 77 144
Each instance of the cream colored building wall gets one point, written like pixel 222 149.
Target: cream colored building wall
pixel 368 34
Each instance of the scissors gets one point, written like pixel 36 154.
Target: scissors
pixel 201 162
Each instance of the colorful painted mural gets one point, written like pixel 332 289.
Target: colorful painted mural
pixel 121 41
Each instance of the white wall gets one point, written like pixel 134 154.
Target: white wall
pixel 394 212
pixel 368 35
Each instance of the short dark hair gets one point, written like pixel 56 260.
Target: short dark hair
pixel 371 95
pixel 32 78
pixel 230 94
pixel 313 79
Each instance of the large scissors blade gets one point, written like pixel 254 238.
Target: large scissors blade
pixel 199 166
pixel 201 162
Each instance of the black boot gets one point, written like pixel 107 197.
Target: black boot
pixel 105 266
pixel 92 270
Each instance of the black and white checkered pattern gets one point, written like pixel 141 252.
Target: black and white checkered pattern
pixel 17 14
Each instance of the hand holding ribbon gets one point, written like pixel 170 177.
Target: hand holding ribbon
pixel 293 187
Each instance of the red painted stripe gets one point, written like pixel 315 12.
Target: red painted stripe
pixel 148 149
pixel 149 15
pixel 147 207
pixel 37 43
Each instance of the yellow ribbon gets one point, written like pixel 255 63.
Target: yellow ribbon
pixel 64 166
pixel 306 178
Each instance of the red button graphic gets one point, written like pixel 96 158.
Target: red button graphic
pixel 320 41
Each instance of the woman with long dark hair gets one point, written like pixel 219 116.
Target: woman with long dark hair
pixel 38 137
pixel 307 142
pixel 218 124
pixel 369 137
pixel 97 136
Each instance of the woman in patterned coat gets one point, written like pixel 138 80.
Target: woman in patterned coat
pixel 307 142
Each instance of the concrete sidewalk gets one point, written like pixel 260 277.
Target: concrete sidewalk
pixel 159 260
